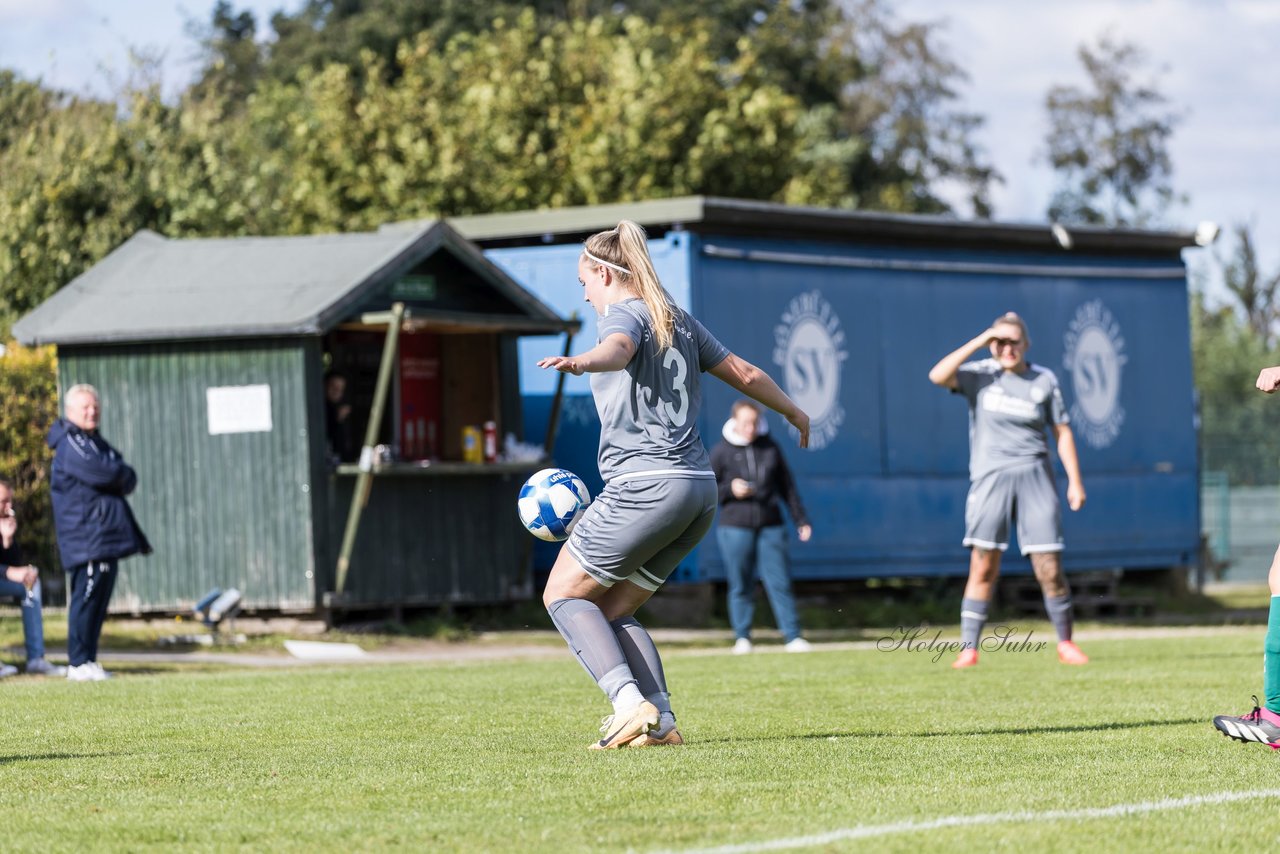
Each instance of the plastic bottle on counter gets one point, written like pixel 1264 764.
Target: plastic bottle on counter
pixel 410 441
pixel 490 441
pixel 472 451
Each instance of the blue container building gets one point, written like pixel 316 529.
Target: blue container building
pixel 849 310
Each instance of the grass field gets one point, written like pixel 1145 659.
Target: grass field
pixel 836 750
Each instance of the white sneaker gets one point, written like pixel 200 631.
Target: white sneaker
pixel 82 673
pixel 97 668
pixel 7 670
pixel 798 645
pixel 742 646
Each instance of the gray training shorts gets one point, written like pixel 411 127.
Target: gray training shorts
pixel 1025 493
pixel 639 530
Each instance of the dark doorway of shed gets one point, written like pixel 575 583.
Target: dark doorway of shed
pixel 351 365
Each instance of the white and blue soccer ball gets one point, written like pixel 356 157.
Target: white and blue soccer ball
pixel 551 502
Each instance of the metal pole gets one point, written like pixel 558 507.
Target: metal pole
pixel 553 423
pixel 364 481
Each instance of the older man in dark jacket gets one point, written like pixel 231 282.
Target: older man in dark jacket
pixel 95 526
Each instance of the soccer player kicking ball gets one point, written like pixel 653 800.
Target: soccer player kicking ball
pixel 660 495
pixel 1011 403
pixel 1262 725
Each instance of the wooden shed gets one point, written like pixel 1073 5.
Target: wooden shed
pixel 211 358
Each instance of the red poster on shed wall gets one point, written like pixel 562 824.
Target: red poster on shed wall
pixel 419 396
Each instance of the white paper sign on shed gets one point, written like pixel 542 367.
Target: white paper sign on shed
pixel 239 409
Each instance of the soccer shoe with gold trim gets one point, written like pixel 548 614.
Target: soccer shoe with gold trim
pixel 652 739
pixel 1260 725
pixel 620 730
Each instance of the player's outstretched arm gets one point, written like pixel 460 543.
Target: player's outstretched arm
pixel 611 354
pixel 944 373
pixel 760 387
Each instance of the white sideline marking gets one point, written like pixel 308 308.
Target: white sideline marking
pixel 865 831
pixel 322 651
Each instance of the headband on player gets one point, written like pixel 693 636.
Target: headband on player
pixel 606 263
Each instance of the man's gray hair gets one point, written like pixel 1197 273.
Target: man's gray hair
pixel 80 388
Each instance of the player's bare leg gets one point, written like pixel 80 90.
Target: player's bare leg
pixel 1057 603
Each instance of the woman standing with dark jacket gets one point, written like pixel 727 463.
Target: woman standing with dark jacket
pixel 752 475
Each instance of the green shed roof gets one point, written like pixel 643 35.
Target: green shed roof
pixel 154 288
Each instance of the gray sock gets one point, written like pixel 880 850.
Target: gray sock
pixel 1060 612
pixel 644 661
pixel 582 625
pixel 973 616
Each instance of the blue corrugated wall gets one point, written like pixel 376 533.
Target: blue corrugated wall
pixel 886 480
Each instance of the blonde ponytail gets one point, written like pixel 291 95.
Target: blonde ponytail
pixel 625 250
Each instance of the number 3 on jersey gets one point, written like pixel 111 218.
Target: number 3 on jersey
pixel 677 414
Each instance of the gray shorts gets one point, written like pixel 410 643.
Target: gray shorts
pixel 1025 493
pixel 640 530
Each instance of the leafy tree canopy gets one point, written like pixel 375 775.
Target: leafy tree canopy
pixel 887 89
pixel 1108 143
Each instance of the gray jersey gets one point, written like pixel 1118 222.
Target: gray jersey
pixel 649 409
pixel 1008 414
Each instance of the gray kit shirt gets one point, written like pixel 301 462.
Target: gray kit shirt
pixel 1008 414
pixel 649 409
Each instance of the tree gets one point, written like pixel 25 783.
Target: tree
pixel 1231 342
pixel 233 58
pixel 324 32
pixel 877 97
pixel 901 106
pixel 1109 143
pixel 1237 423
pixel 71 193
pixel 1255 292
pixel 22 104
pixel 530 115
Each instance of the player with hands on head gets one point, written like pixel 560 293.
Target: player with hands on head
pixel 1262 725
pixel 659 498
pixel 1011 404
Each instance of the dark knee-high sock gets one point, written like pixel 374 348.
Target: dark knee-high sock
pixel 1060 611
pixel 1271 658
pixel 642 656
pixel 973 616
pixel 583 626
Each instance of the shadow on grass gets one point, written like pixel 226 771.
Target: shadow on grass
pixel 959 733
pixel 39 757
